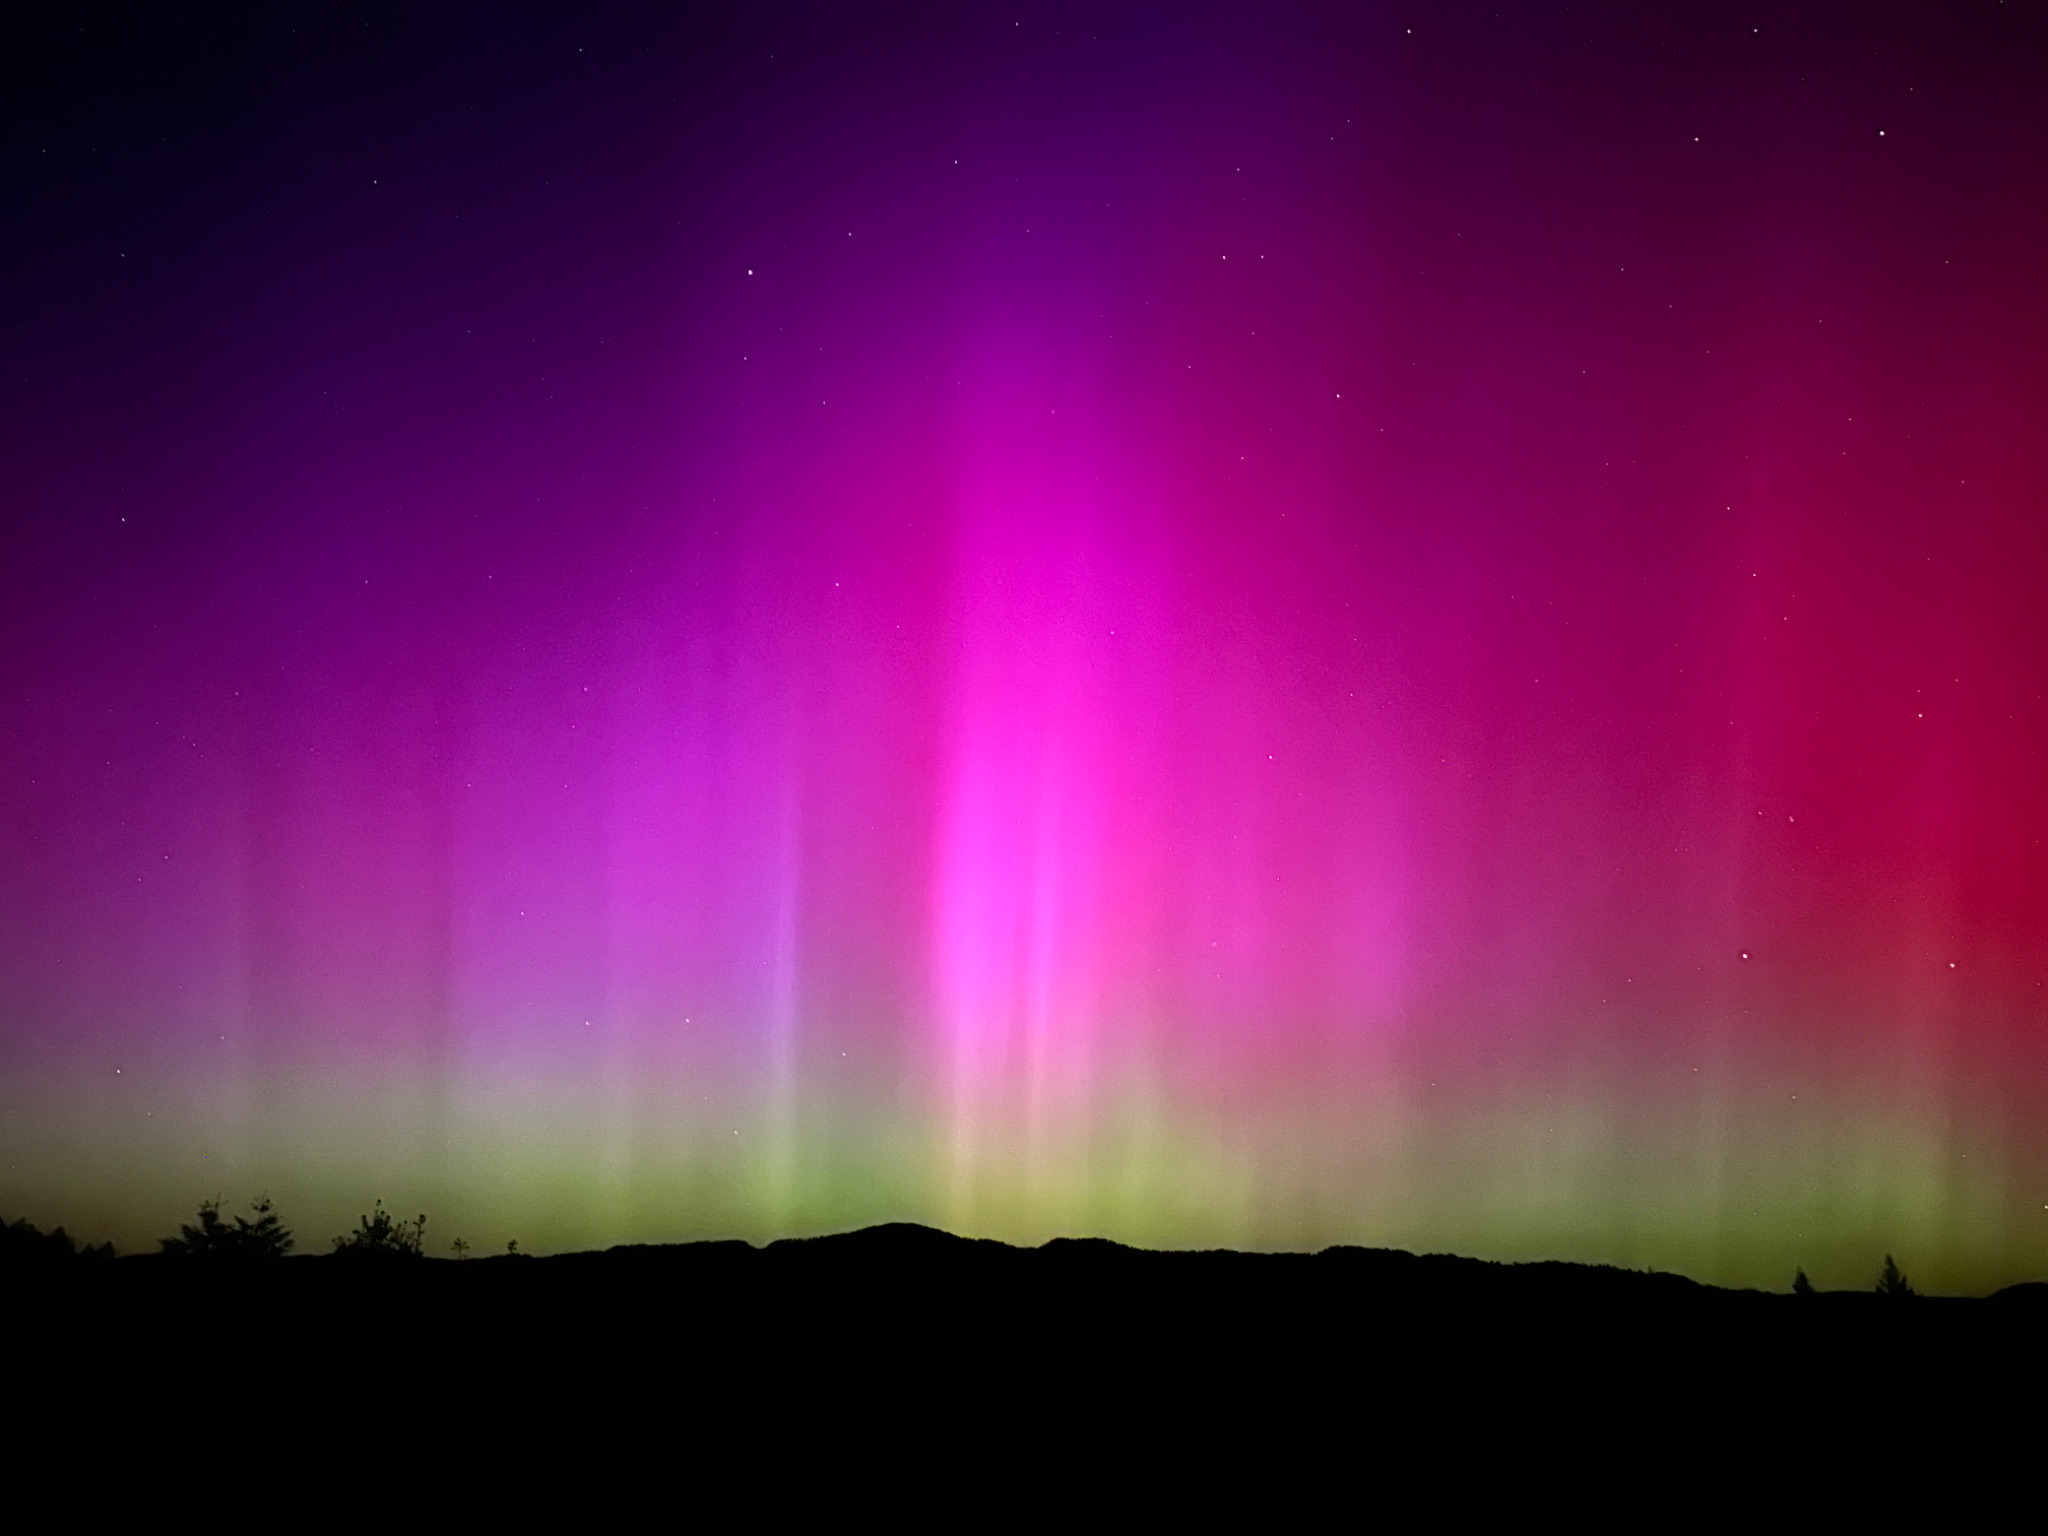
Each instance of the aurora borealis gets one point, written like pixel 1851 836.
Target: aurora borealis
pixel 1254 626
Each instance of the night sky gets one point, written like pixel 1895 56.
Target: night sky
pixel 1253 625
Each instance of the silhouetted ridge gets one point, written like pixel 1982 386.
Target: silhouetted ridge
pixel 907 1265
pixel 1085 1248
pixel 908 1314
pixel 896 1239
pixel 2026 1292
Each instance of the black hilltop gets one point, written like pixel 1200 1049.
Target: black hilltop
pixel 904 1286
pixel 902 1335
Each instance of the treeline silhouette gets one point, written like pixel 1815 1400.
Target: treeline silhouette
pixel 261 1235
pixel 265 1237
pixel 22 1242
pixel 907 1321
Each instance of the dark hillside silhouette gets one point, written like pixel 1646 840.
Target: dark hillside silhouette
pixel 884 1325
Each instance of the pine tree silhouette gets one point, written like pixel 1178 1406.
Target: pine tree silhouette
pixel 1891 1282
pixel 264 1238
pixel 1801 1286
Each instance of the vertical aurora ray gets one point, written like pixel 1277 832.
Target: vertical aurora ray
pixel 1019 916
pixel 1251 630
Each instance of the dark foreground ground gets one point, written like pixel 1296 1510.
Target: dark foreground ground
pixel 911 1293
pixel 893 1341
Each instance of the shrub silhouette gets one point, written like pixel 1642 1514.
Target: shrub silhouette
pixel 1891 1282
pixel 266 1237
pixel 381 1236
pixel 1801 1286
pixel 24 1243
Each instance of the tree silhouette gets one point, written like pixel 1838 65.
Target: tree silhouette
pixel 380 1236
pixel 1801 1286
pixel 22 1241
pixel 264 1238
pixel 1891 1282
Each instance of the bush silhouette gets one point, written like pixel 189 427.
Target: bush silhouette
pixel 1801 1286
pixel 1891 1282
pixel 264 1238
pixel 23 1242
pixel 381 1236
